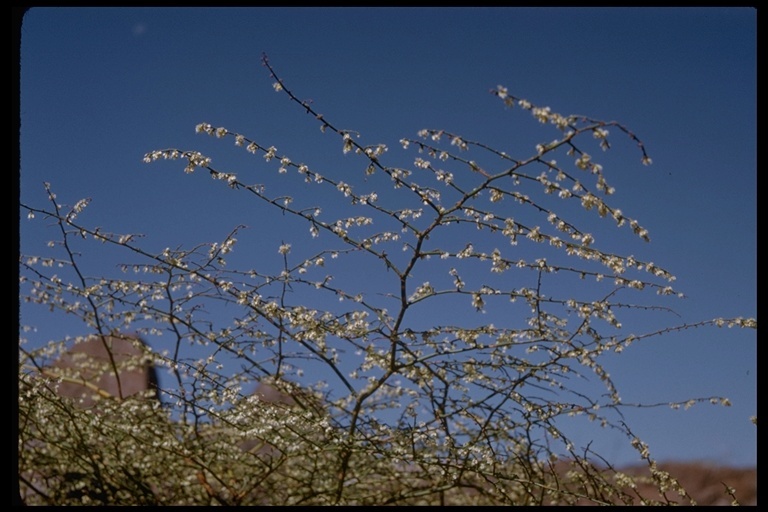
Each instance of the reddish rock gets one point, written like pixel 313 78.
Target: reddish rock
pixel 111 366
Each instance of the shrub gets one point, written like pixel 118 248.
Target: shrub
pixel 373 325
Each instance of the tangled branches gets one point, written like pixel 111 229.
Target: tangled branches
pixel 405 397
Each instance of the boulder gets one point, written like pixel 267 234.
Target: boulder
pixel 117 365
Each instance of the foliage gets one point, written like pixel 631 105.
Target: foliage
pixel 407 396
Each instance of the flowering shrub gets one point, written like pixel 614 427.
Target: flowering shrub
pixel 406 396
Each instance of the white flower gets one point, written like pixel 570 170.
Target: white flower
pixel 583 161
pixel 542 114
pixel 348 144
pixel 421 164
pixel 477 301
pixel 344 188
pixel 422 291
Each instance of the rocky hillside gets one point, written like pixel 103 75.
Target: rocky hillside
pixel 705 482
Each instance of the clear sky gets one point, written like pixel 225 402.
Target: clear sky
pixel 100 87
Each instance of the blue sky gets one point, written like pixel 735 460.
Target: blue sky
pixel 100 87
